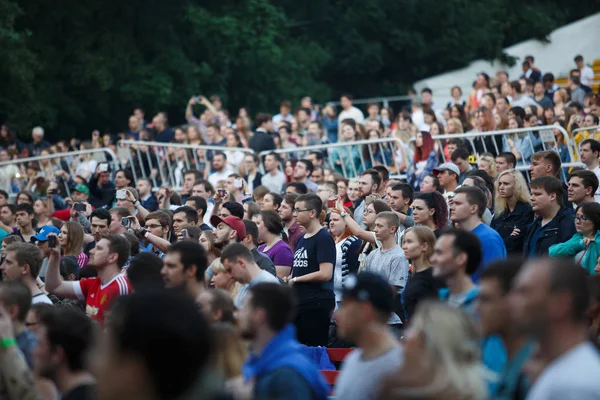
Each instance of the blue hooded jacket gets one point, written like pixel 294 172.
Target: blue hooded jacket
pixel 284 351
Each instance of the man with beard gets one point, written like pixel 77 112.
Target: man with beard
pixel 456 256
pixel 65 337
pixel 368 184
pixel 184 266
pixel 278 366
pixel 227 230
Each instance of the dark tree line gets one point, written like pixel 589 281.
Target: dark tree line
pixel 77 66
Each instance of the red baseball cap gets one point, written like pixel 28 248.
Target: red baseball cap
pixel 233 222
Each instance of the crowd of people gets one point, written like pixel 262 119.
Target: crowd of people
pixel 469 279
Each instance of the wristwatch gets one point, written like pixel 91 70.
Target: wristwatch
pixel 141 232
pixel 344 214
pixel 136 204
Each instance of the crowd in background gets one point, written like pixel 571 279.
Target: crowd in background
pixel 470 279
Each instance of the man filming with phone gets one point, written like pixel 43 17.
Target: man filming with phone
pixel 102 189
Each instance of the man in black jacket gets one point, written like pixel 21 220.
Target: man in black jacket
pixel 554 224
pixel 262 139
pixel 102 189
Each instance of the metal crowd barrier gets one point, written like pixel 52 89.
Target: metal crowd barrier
pixel 349 158
pixel 51 163
pixel 542 135
pixel 164 163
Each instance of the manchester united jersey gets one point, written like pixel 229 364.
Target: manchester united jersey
pixel 98 297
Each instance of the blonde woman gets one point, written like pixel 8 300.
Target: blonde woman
pixel 207 240
pixel 454 126
pixel 513 211
pixel 488 164
pixel 222 280
pixel 442 358
pixel 417 244
pixel 231 353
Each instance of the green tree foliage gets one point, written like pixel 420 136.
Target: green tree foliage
pixel 85 65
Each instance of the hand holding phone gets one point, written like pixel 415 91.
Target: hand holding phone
pixel 126 222
pixel 184 234
pixel 121 194
pixel 222 193
pixel 79 207
pixel 238 183
pixel 331 203
pixel 52 242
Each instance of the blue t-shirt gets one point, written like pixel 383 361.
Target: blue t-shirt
pixel 537 235
pixel 492 247
pixel 319 248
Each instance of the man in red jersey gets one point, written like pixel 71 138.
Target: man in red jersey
pixel 108 257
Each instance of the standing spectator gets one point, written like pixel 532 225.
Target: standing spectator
pixel 529 72
pixel 222 280
pixel 274 179
pixel 262 140
pixel 330 123
pixel 270 226
pixel 147 198
pixel 431 210
pixel 199 204
pixel 448 174
pixel 460 158
pixel 220 168
pixel 285 108
pixel 367 305
pixel 418 244
pixel 456 257
pixel 184 267
pixel 496 322
pixel 561 332
pixel 388 260
pixel 101 188
pixel 425 159
pixel 251 243
pixel 589 150
pixel 164 134
pixel 586 73
pixel 100 220
pixel 519 100
pixel 312 273
pixel 554 224
pixel 23 261
pixel 240 264
pixel 65 338
pixel 368 184
pixel 466 211
pixel 131 365
pixel 577 92
pixel 481 87
pixel 513 210
pixel 253 177
pixel 278 366
pixel 108 257
pixel 291 226
pixel 347 248
pixel 582 186
pixel 184 216
pixel 70 240
pixel 271 202
pixel 38 143
pixel 15 297
pixel 302 172
pixel 25 214
pixel 349 111
pixel 584 247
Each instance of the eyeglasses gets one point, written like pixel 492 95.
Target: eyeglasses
pixel 153 226
pixel 296 211
pixel 581 218
pixel 367 211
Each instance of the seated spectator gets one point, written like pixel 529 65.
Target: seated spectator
pixel 584 246
pixel 347 160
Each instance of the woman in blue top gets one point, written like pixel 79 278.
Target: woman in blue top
pixel 518 144
pixel 377 153
pixel 347 158
pixel 585 245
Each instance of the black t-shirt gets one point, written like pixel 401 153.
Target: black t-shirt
pixel 89 247
pixel 421 285
pixel 82 392
pixel 319 248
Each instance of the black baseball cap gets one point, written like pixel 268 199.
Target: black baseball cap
pixel 372 288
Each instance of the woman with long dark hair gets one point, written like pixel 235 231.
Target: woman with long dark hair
pixel 431 210
pixel 270 232
pixel 424 160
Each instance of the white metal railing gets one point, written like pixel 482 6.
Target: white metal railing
pixel 349 158
pixel 51 163
pixel 165 163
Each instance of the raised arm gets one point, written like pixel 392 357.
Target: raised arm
pixel 354 227
pixel 54 282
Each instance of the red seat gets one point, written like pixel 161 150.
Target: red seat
pixel 335 355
